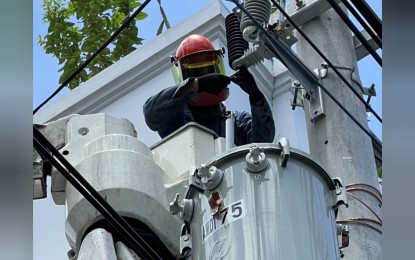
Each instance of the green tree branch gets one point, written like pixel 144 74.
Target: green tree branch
pixel 78 28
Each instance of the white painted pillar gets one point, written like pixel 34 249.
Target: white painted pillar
pixel 288 123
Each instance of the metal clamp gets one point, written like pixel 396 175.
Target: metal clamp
pixel 343 231
pixel 322 73
pixel 194 180
pixel 185 241
pixel 283 31
pixel 340 192
pixel 285 153
pixel 345 236
pixel 296 85
pixel 369 92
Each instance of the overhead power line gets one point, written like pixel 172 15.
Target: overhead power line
pixel 307 73
pixel 356 31
pixel 48 151
pixel 369 30
pixel 369 15
pixel 100 49
pixel 329 63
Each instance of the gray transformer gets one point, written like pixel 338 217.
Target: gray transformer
pixel 257 201
pixel 277 212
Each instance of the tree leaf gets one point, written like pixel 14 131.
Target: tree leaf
pixel 141 16
pixel 166 21
pixel 77 28
pixel 163 14
pixel 160 29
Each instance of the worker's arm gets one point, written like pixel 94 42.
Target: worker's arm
pixel 257 127
pixel 263 126
pixel 167 111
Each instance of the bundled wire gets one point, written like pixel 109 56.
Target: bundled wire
pixel 356 31
pixel 362 222
pixel 329 63
pixel 100 49
pixel 369 30
pixel 369 16
pixel 367 222
pixel 307 73
pixel 49 152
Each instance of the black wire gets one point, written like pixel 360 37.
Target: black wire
pixel 42 145
pixel 83 65
pixel 331 65
pixel 356 31
pixel 369 15
pixel 93 199
pixel 363 23
pixel 305 70
pixel 378 159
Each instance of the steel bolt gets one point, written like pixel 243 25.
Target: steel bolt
pixel 299 3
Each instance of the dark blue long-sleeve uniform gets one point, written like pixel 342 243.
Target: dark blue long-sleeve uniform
pixel 165 113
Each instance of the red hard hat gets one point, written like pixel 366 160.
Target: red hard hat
pixel 196 52
pixel 193 44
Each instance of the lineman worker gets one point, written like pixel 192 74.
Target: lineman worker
pixel 201 87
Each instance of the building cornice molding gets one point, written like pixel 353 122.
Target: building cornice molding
pixel 283 82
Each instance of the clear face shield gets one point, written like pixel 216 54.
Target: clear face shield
pixel 198 64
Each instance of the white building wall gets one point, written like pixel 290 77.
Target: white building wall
pixel 130 106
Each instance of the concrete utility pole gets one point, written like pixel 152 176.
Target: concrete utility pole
pixel 334 139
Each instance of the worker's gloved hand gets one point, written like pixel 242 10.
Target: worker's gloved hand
pixel 247 83
pixel 213 83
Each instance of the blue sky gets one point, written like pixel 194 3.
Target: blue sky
pixel 48 219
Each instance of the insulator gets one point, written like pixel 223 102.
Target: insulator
pixel 235 41
pixel 261 11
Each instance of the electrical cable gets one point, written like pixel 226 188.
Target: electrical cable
pixel 356 31
pixel 125 233
pixel 329 63
pixel 365 204
pixel 307 73
pixel 379 159
pixel 44 147
pixel 372 191
pixel 367 188
pixel 369 30
pixel 120 228
pixel 360 221
pixel 100 49
pixel 369 15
